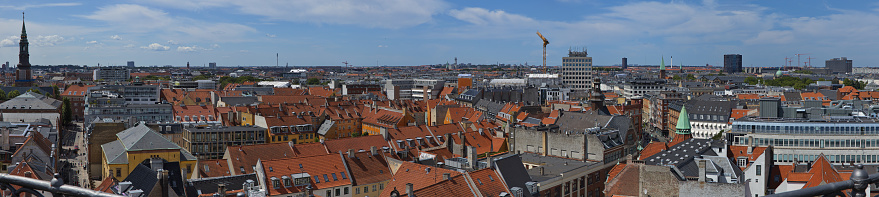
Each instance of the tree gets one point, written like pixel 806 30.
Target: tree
pixel 13 94
pixel 752 80
pixel 691 77
pixel 2 95
pixel 66 112
pixel 808 72
pixel 312 81
pixel 717 136
pixel 34 90
pixel 676 78
pixel 55 91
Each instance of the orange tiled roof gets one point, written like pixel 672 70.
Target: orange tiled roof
pixel 651 149
pixel 367 168
pixel 553 116
pixel 107 185
pixel 246 156
pixel 616 170
pixel 748 96
pixel 742 151
pixel 213 168
pixel 321 92
pixel 76 90
pixel 488 182
pixel 420 178
pixel 328 168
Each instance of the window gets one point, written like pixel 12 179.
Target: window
pixel 373 187
pixel 334 177
pixel 759 170
pixel 329 193
pixel 365 189
pixel 316 179
pixel 287 182
pixel 357 190
pixel 338 191
pixel 346 191
pixel 326 179
pixel 275 183
pixel 343 175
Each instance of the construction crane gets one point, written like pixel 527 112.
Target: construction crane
pixel 545 42
pixel 798 57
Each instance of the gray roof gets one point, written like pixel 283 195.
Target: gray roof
pixel 553 166
pixel 713 109
pixel 115 152
pixel 682 155
pixel 510 167
pixel 325 127
pixel 143 178
pixel 240 100
pixel 577 121
pixel 142 137
pixel 830 94
pixel 489 106
pixel 793 96
pixel 209 185
pixel 30 100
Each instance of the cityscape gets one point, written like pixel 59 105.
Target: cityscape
pixel 226 111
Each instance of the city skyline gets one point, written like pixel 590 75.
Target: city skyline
pixel 305 33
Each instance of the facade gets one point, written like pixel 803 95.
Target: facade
pixel 76 95
pixel 839 65
pixel 211 142
pixel 543 80
pixel 577 70
pixel 132 102
pixel 732 63
pixel 31 107
pixel 842 139
pixel 113 73
pixel 130 64
pixel 212 65
pixel 636 89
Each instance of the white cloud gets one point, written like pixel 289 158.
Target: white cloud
pixel 172 42
pixel 215 46
pixel 50 40
pixel 382 46
pixel 92 42
pixel 141 19
pixel 11 41
pixel 24 7
pixel 376 13
pixel 116 37
pixel 156 47
pixel 481 16
pixel 271 35
pixel 189 48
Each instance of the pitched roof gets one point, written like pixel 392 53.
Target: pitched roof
pixel 419 176
pixel 328 168
pixel 651 149
pixel 114 152
pixel 141 137
pixel 213 168
pixel 246 156
pixel 366 168
pixel 742 151
pixel 488 182
pixel 76 90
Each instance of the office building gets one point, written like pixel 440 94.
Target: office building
pixel 130 103
pixel 625 64
pixel 842 139
pixel 413 88
pixel 212 65
pixel 839 65
pixel 115 73
pixel 732 63
pixel 211 142
pixel 131 64
pixel 577 70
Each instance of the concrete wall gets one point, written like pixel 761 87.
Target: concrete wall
pixel 552 143
pixel 102 133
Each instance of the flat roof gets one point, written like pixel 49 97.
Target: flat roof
pixel 553 166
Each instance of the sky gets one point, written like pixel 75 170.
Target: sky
pixel 420 32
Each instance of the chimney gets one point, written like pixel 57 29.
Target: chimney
pixel 292 145
pixel 373 150
pixel 750 144
pixel 702 168
pixel 446 176
pixel 481 132
pixel 472 157
pixel 221 189
pixel 490 162
pixel 541 170
pixel 409 190
pixel 351 153
pixel 156 164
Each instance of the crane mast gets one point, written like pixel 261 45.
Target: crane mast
pixel 545 42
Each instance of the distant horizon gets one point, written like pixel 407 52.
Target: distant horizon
pixel 161 32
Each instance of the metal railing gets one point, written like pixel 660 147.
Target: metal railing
pixel 33 186
pixel 858 184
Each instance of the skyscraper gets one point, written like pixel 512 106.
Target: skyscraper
pixel 839 65
pixel 577 70
pixel 732 63
pixel 212 65
pixel 625 63
pixel 130 64
pixel 23 69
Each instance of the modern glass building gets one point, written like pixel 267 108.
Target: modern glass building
pixel 842 139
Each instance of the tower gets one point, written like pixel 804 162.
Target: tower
pixel 576 71
pixel 23 69
pixel 662 69
pixel 625 63
pixel 187 65
pixel 683 126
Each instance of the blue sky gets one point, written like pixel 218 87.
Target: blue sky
pixel 417 32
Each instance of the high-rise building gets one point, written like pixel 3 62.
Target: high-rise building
pixel 23 69
pixel 111 73
pixel 577 70
pixel 839 65
pixel 732 63
pixel 130 64
pixel 625 63
pixel 212 65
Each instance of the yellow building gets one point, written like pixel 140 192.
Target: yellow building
pixel 137 144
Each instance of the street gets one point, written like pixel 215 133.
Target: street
pixel 74 157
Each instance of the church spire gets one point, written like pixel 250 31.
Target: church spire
pixel 683 125
pixel 23 32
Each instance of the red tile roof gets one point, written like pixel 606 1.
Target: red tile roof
pixel 321 92
pixel 107 185
pixel 420 178
pixel 245 157
pixel 323 167
pixel 615 170
pixel 651 149
pixel 206 111
pixel 747 96
pixel 357 143
pixel 213 168
pixel 488 182
pixel 367 168
pixel 742 151
pixel 76 90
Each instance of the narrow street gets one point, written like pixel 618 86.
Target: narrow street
pixel 74 157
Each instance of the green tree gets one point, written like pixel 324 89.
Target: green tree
pixel 312 81
pixel 691 77
pixel 676 78
pixel 13 94
pixel 751 80
pixel 55 91
pixel 202 77
pixel 808 72
pixel 66 112
pixel 2 95
pixel 34 90
pixel 717 136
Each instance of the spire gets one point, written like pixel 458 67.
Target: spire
pixel 23 32
pixel 662 66
pixel 683 122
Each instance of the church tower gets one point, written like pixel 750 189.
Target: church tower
pixel 683 127
pixel 23 69
pixel 662 69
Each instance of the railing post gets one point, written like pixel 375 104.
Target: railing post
pixel 861 182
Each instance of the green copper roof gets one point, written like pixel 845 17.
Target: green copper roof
pixel 683 122
pixel 662 66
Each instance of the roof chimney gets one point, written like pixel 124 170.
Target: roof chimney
pixel 373 150
pixel 351 153
pixel 221 189
pixel 702 171
pixel 446 176
pixel 409 190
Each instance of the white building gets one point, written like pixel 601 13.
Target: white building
pixel 112 73
pixel 577 70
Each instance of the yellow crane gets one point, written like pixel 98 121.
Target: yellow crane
pixel 545 42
